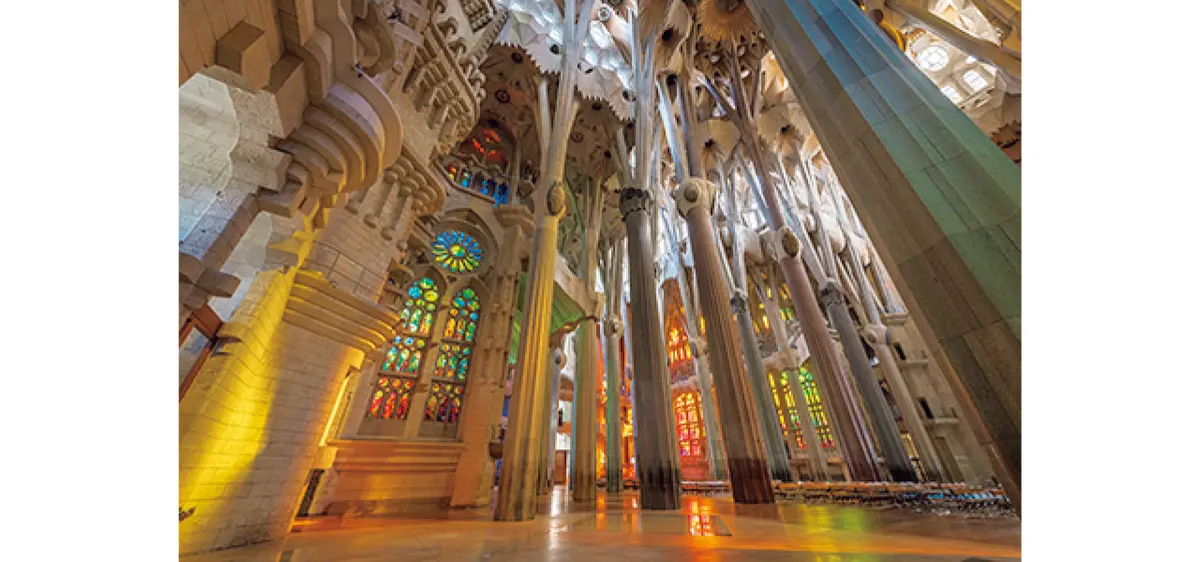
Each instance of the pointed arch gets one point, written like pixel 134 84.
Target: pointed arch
pixel 401 366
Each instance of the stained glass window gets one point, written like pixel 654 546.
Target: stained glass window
pixel 451 171
pixel 390 398
pixel 456 251
pixel 464 315
pixel 404 355
pixel 502 194
pixel 453 361
pixel 785 304
pixel 690 427
pixel 465 181
pixel 444 403
pixel 816 409
pixel 454 358
pixel 785 408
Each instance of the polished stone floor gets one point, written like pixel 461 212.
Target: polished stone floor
pixel 706 529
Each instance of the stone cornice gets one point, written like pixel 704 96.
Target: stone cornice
pixel 315 304
pixel 384 455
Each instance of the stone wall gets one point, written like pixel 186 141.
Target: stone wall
pixel 207 132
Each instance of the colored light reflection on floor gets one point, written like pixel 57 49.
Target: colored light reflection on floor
pixel 706 528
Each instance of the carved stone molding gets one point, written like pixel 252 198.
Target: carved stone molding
pixel 317 305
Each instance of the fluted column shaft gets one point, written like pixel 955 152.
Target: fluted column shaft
pixel 583 425
pixel 886 430
pixel 655 441
pixel 546 461
pixel 763 401
pixel 941 200
pixel 856 451
pixel 527 415
pixel 747 453
pixel 612 407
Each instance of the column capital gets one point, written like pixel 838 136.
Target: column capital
pixel 634 200
pixel 613 326
pixel 831 293
pixel 789 243
pixel 694 193
pixel 877 334
pixel 556 199
pixel 738 301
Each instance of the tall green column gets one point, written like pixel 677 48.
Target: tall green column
pixel 941 201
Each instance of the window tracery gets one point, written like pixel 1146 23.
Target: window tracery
pixel 456 251
pixel 402 361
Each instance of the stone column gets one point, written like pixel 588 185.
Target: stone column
pixel 748 468
pixel 612 408
pixel 527 415
pixel 852 438
pixel 879 337
pixel 772 433
pixel 613 329
pixel 655 441
pixel 480 420
pixel 886 431
pixel 583 421
pixel 763 402
pixel 940 198
pixel 554 374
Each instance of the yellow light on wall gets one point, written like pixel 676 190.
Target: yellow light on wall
pixel 336 406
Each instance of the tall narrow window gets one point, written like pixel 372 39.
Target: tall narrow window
pixel 690 427
pixel 785 304
pixel 401 363
pixel 679 352
pixel 454 358
pixel 785 408
pixel 816 409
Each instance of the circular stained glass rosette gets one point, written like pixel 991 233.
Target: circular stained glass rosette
pixel 457 251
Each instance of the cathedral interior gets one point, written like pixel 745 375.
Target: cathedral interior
pixel 591 279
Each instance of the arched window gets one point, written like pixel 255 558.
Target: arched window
pixel 402 362
pixel 451 171
pixel 454 359
pixel 465 181
pixel 456 252
pixel 690 427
